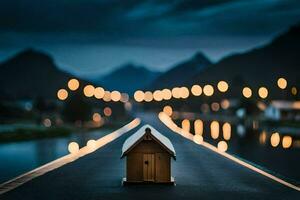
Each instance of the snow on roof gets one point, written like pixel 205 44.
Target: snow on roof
pixel 140 133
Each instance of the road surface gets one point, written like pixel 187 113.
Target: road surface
pixel 199 173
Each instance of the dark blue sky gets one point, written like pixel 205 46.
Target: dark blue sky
pixel 90 37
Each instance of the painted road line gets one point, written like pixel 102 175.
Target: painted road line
pixel 16 182
pixel 171 125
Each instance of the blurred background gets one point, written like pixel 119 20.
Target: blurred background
pixel 227 70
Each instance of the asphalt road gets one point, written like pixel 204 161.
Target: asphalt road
pixel 199 173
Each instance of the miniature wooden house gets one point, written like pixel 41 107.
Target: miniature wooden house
pixel 148 157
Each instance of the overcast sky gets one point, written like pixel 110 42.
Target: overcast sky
pixel 91 37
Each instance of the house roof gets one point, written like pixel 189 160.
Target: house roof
pixel 137 136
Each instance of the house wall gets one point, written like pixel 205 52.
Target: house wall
pixel 135 162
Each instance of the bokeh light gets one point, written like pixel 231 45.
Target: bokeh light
pixel 73 84
pixel 184 92
pixel 99 92
pixel 226 131
pixel 107 111
pixel 115 96
pixel 62 94
pixel 185 124
pixel 287 142
pixel 222 86
pixel 198 127
pixel 107 96
pixel 247 92
pixel 91 144
pixel 168 110
pixel 139 96
pixel 73 147
pixel 263 92
pixel 215 106
pixel 96 117
pixel 225 104
pixel 88 90
pixel 167 94
pixel 208 90
pixel 282 83
pixel 148 96
pixel 222 146
pixel 294 91
pixel 275 139
pixel 196 90
pixel 198 139
pixel 176 92
pixel 214 129
pixel 157 95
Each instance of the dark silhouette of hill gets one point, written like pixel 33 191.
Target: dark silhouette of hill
pixel 181 72
pixel 128 78
pixel 31 74
pixel 259 67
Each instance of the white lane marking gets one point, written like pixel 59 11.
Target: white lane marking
pixel 16 182
pixel 171 125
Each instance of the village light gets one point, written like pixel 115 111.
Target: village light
pixel 208 90
pixel 62 94
pixel 226 131
pixel 215 106
pixel 198 127
pixel 275 139
pixel 294 91
pixel 167 94
pixel 176 92
pixel 73 147
pixel 222 86
pixel 91 144
pixel 157 95
pixel 263 92
pixel 282 83
pixel 73 84
pixel 96 117
pixel 287 142
pixel 139 96
pixel 225 104
pixel 247 92
pixel 222 146
pixel 107 96
pixel 184 92
pixel 185 124
pixel 99 92
pixel 198 139
pixel 168 110
pixel 88 90
pixel 148 96
pixel 107 111
pixel 196 90
pixel 115 96
pixel 214 129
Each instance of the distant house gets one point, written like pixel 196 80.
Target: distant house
pixel 283 110
pixel 148 157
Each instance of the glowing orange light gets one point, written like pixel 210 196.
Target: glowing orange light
pixel 198 127
pixel 73 147
pixel 222 146
pixel 99 92
pixel 247 92
pixel 294 91
pixel 107 111
pixel 168 110
pixel 198 139
pixel 157 95
pixel 214 129
pixel 215 106
pixel 107 96
pixel 263 137
pixel 91 144
pixel 167 94
pixel 176 92
pixel 287 142
pixel 196 90
pixel 223 86
pixel 208 90
pixel 115 96
pixel 139 96
pixel 225 104
pixel 186 125
pixel 62 94
pixel 96 117
pixel 282 83
pixel 275 139
pixel 73 84
pixel 226 131
pixel 263 92
pixel 184 92
pixel 88 90
pixel 148 96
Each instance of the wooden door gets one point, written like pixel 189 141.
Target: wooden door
pixel 148 167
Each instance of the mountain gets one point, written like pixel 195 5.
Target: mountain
pixel 31 74
pixel 128 78
pixel 181 72
pixel 259 67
